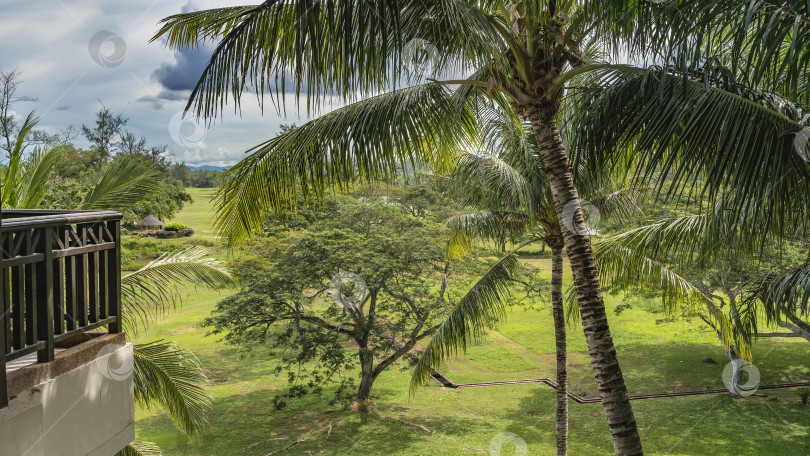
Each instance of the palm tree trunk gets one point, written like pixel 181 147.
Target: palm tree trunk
pixel 562 349
pixel 604 361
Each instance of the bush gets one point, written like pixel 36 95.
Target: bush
pixel 174 226
pixel 166 234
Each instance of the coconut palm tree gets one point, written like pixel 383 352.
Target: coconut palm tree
pixel 727 114
pixel 506 183
pixel 519 54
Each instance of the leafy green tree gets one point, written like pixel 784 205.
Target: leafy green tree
pixel 368 271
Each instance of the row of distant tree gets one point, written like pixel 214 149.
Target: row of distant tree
pixel 80 169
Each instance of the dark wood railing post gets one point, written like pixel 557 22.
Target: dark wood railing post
pixel 45 304
pixel 3 318
pixel 114 276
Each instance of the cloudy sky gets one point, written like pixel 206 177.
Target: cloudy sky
pixel 74 55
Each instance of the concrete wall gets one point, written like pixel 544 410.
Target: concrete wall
pixel 89 410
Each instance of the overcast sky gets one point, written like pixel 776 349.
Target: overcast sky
pixel 74 54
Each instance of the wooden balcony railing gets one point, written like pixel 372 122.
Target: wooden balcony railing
pixel 61 277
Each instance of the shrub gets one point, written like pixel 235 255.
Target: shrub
pixel 174 226
pixel 166 234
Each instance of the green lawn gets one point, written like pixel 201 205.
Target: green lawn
pixel 656 357
pixel 199 213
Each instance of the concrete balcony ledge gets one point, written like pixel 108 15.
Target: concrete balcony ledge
pixel 81 403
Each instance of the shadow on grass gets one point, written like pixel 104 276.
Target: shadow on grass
pixel 248 424
pixel 772 423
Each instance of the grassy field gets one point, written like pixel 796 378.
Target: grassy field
pixel 656 356
pixel 198 214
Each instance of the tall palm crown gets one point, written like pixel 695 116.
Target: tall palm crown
pixel 520 54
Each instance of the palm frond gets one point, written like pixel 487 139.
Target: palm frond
pixel 322 49
pixel 126 181
pixel 160 283
pixel 171 377
pixel 139 448
pixel 485 180
pixel 622 268
pixel 696 128
pixel 42 164
pixel 487 225
pixel 787 292
pixel 480 309
pixel 764 42
pixel 365 141
pixel 15 192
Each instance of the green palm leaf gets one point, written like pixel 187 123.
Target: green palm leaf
pixel 368 140
pixel 42 164
pixel 764 42
pixel 622 268
pixel 171 377
pixel 324 48
pixel 480 309
pixel 699 127
pixel 138 448
pixel 23 184
pixel 126 181
pixel 788 292
pixel 160 283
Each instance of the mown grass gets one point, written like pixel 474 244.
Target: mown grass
pixel 655 356
pixel 199 213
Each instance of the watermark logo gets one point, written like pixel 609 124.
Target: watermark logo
pixel 107 48
pixel 801 143
pixel 186 132
pixel 506 439
pixel 348 288
pixel 591 216
pixel 114 362
pixel 733 377
pixel 420 57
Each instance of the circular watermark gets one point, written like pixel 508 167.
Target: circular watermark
pixel 590 214
pixel 113 363
pixel 186 132
pixel 420 56
pixel 801 143
pixel 733 377
pixel 503 439
pixel 347 287
pixel 107 48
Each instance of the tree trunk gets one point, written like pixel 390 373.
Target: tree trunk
pixel 562 349
pixel 736 373
pixel 613 391
pixel 798 328
pixel 366 376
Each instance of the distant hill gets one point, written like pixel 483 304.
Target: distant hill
pixel 207 168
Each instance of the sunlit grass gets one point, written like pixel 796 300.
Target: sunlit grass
pixel 655 356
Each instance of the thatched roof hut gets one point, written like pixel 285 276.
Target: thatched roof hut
pixel 150 223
